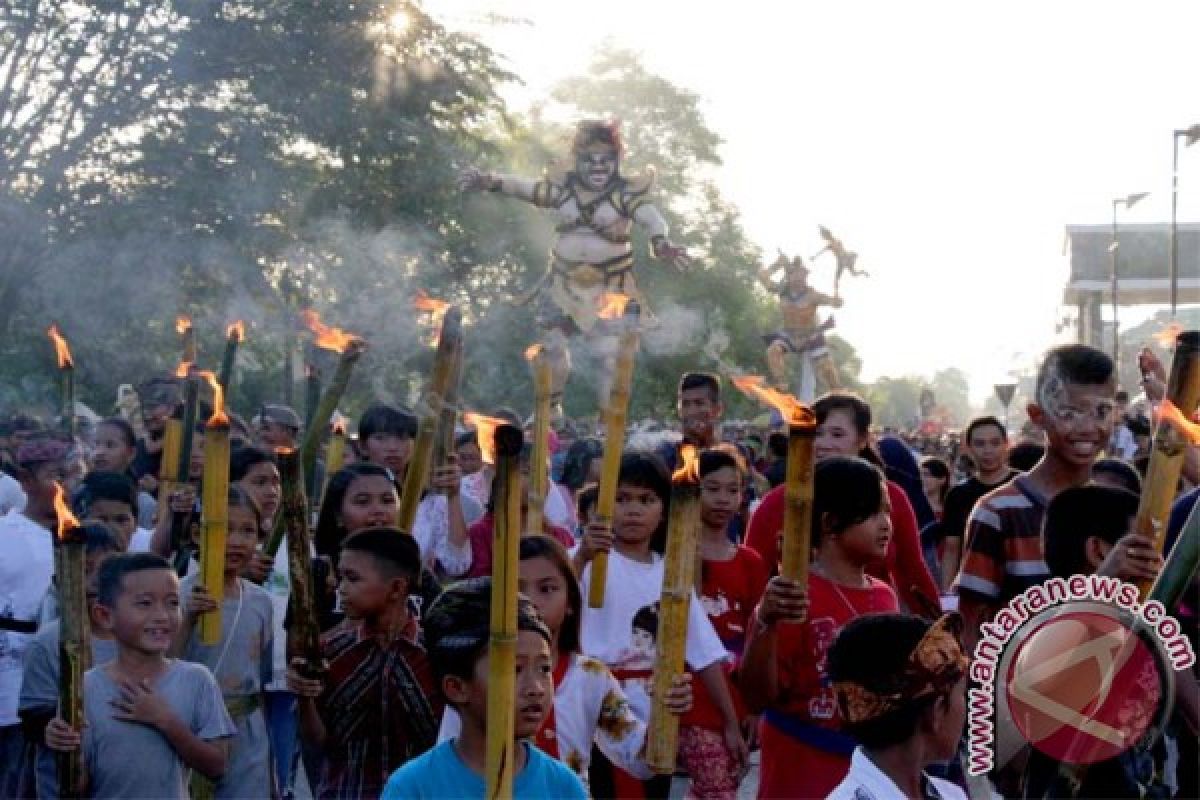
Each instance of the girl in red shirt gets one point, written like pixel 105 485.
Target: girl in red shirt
pixel 843 429
pixel 804 751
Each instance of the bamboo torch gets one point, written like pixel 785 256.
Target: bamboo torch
pixel 614 434
pixel 235 334
pixel 73 645
pixel 335 455
pixel 351 348
pixel 187 336
pixel 312 393
pixel 1180 566
pixel 1169 446
pixel 798 491
pixel 502 645
pixel 214 508
pixel 66 369
pixel 169 459
pixel 679 565
pixel 304 634
pixel 430 407
pixel 179 467
pixel 538 477
pixel 443 443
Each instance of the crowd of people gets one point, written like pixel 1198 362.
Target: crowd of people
pixel 851 685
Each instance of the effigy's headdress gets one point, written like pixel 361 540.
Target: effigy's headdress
pixel 598 131
pixel 935 664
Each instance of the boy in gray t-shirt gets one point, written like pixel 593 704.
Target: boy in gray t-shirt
pixel 149 718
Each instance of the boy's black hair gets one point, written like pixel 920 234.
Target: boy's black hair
pixel 456 627
pixel 586 500
pixel 720 457
pixel 578 461
pixel 777 445
pixel 395 551
pixel 541 546
pixel 1025 456
pixel 1077 514
pixel 871 651
pixel 99 538
pixel 1073 363
pixel 849 490
pixel 112 486
pixel 983 422
pixel 243 458
pixel 646 619
pixel 122 425
pixel 380 418
pixel 110 577
pixel 465 438
pixel 701 380
pixel 1123 471
pixel 644 470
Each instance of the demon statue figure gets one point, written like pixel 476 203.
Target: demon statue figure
pixel 801 342
pixel 595 207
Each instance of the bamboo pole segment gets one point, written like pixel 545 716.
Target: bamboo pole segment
pixel 502 643
pixel 73 639
pixel 235 334
pixel 539 477
pixel 303 631
pixel 443 443
pixel 1169 445
pixel 662 737
pixel 1180 566
pixel 66 370
pixel 798 495
pixel 328 404
pixel 614 443
pixel 214 512
pixel 429 410
pixel 335 455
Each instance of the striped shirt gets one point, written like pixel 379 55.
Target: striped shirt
pixel 1004 554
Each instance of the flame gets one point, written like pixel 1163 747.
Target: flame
pixel 183 324
pixel 795 412
pixel 689 467
pixel 1166 337
pixel 1168 412
pixel 184 369
pixel 339 425
pixel 612 305
pixel 62 512
pixel 532 352
pixel 485 433
pixel 61 349
pixel 437 312
pixel 218 416
pixel 284 451
pixel 327 338
pixel 236 331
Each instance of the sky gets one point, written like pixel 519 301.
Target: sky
pixel 948 143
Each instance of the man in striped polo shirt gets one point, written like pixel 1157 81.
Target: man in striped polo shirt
pixel 1003 556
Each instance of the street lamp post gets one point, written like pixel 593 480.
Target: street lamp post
pixel 1190 136
pixel 1129 201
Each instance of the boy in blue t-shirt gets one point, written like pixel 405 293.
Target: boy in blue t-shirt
pixel 456 637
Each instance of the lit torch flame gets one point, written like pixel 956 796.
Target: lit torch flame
pixel 284 451
pixel 182 324
pixel 183 370
pixel 485 433
pixel 532 352
pixel 236 331
pixel 437 312
pixel 1189 429
pixel 689 467
pixel 1166 337
pixel 218 416
pixel 61 349
pixel 327 337
pixel 612 305
pixel 795 412
pixel 62 512
pixel 339 424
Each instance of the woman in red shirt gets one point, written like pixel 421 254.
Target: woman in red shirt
pixel 843 429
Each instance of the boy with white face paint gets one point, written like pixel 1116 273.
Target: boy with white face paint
pixel 1004 553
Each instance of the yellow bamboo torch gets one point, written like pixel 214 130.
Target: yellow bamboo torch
pixel 1169 445
pixel 539 460
pixel 679 565
pixel 614 415
pixel 502 644
pixel 214 511
pixel 798 491
pixel 303 632
pixel 335 455
pixel 351 348
pixel 169 461
pixel 73 638
pixel 66 369
pixel 429 410
pixel 443 443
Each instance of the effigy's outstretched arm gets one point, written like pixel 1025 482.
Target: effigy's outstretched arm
pixel 652 221
pixel 541 192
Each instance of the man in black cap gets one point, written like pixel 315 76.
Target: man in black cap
pixel 277 426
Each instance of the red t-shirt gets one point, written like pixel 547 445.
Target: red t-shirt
pixel 791 768
pixel 482 533
pixel 729 591
pixel 905 569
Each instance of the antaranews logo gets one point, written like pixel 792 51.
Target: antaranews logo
pixel 1078 668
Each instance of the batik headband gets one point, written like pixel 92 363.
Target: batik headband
pixel 935 664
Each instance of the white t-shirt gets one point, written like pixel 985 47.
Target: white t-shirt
pixel 26 568
pixel 279 587
pixel 865 781
pixel 12 496
pixel 607 633
pixel 139 541
pixel 431 529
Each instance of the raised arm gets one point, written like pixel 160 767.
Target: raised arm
pixel 651 220
pixel 542 193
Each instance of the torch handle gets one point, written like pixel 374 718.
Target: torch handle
pixel 798 495
pixel 538 475
pixel 304 635
pixel 329 401
pixel 74 652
